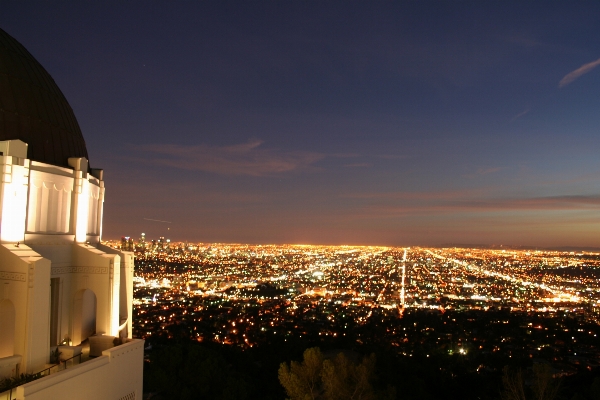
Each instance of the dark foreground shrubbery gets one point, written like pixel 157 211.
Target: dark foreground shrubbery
pixel 184 369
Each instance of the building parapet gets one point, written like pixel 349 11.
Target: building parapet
pixel 80 382
pixel 9 366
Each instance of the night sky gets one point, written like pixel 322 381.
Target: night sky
pixel 390 123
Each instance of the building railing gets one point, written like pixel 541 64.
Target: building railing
pixel 9 385
pixel 69 362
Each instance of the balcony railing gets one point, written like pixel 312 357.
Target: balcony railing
pixel 62 365
pixel 8 386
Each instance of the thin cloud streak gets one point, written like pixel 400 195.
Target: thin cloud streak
pixel 516 117
pixel 240 159
pixel 573 75
pixel 485 171
pixel 358 165
pixel 551 203
pixel 420 196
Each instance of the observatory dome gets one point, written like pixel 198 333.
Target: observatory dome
pixel 33 109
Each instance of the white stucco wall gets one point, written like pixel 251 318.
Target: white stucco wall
pixel 83 267
pixel 14 181
pixel 103 378
pixel 125 285
pixel 25 277
pixel 49 209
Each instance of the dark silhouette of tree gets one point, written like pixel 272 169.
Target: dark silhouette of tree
pixel 343 379
pixel 595 389
pixel 514 385
pixel 190 371
pixel 338 378
pixel 302 381
pixel 589 393
pixel 543 385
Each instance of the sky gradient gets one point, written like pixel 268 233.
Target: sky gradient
pixel 406 123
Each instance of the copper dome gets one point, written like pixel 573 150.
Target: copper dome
pixel 33 109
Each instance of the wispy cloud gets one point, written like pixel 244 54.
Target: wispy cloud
pixel 344 155
pixel 574 202
pixel 249 158
pixel 358 165
pixel 573 75
pixel 464 202
pixel 482 171
pixel 485 171
pixel 419 196
pixel 551 203
pixel 516 117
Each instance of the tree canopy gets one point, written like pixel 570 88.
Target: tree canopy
pixel 318 377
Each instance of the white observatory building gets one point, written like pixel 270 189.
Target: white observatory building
pixel 65 299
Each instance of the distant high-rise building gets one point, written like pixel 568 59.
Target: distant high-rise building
pixel 61 291
pixel 142 242
pixel 127 243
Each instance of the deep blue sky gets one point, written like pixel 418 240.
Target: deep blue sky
pixel 392 123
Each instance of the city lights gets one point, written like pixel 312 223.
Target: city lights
pixel 452 300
